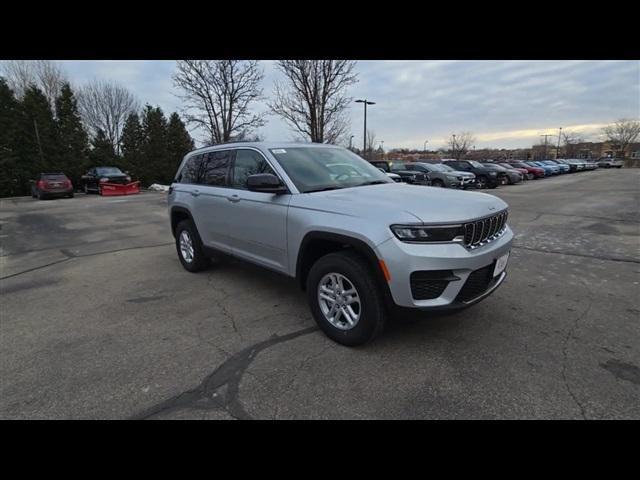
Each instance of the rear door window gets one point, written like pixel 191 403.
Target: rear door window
pixel 247 163
pixel 215 168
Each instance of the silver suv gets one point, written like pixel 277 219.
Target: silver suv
pixel 360 244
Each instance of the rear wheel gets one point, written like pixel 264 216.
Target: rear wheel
pixel 482 181
pixel 437 183
pixel 189 247
pixel 344 298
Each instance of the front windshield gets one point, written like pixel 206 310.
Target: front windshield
pixel 108 171
pixel 445 168
pixel 475 164
pixel 313 169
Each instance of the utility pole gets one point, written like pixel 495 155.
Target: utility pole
pixel 558 147
pixel 364 140
pixel 424 146
pixel 351 142
pixel 35 127
pixel 454 147
pixel 545 145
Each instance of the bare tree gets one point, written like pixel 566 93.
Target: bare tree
pixel 622 133
pixel 460 143
pixel 44 74
pixel 105 105
pixel 313 98
pixel 371 140
pixel 218 95
pixel 570 141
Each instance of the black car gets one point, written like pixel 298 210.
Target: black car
pixel 408 176
pixel 52 184
pixel 95 176
pixel 485 177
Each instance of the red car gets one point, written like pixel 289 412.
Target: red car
pixel 48 185
pixel 534 172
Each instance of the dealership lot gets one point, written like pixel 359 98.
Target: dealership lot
pixel 99 320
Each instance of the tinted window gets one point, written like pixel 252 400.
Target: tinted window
pixel 215 168
pixel 53 176
pixel 248 162
pixel 191 171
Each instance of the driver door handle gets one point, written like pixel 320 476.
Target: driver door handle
pixel 233 198
pixel 195 193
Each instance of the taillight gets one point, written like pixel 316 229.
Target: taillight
pixel 40 184
pixel 68 183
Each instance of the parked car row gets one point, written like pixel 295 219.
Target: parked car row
pixel 451 173
pixel 100 180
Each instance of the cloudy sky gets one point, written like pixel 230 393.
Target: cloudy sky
pixel 503 103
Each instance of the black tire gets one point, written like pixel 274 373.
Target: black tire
pixel 437 183
pixel 40 195
pixel 358 272
pixel 86 189
pixel 482 181
pixel 71 195
pixel 200 261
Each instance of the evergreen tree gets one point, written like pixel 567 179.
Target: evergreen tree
pixel 102 152
pixel 131 145
pixel 36 139
pixel 10 176
pixel 74 143
pixel 154 146
pixel 179 143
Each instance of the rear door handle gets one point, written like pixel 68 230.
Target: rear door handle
pixel 233 198
pixel 195 193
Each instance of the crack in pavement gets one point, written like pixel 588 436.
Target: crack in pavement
pixel 565 357
pixel 211 394
pixel 70 256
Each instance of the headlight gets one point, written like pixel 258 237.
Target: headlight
pixel 428 233
pixel 104 179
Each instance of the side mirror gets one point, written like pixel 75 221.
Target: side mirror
pixel 266 183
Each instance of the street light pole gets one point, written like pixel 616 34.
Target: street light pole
pixel 364 140
pixel 558 147
pixel 351 142
pixel 424 146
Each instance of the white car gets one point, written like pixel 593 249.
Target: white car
pixel 610 163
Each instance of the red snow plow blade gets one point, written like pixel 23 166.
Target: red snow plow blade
pixel 112 189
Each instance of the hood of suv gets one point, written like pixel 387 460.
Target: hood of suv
pixel 397 203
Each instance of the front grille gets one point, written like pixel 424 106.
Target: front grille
pixel 477 283
pixel 426 285
pixel 481 231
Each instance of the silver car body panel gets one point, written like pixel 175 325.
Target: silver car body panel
pixel 268 229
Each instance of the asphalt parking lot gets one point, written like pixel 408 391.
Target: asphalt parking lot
pixel 99 320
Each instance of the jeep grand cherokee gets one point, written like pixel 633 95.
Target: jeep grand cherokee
pixel 357 242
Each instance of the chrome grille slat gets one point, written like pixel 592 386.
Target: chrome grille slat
pixel 481 231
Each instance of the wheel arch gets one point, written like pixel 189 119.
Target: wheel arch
pixel 179 214
pixel 316 244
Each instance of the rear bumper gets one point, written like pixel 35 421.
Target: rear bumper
pixel 56 193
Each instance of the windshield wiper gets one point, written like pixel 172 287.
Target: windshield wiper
pixel 373 182
pixel 323 189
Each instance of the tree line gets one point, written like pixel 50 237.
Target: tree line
pixel 46 130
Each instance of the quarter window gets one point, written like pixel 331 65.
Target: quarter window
pixel 247 163
pixel 191 171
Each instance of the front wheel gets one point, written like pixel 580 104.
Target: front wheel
pixel 437 183
pixel 481 181
pixel 345 300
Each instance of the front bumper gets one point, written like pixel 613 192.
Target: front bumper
pixel 402 259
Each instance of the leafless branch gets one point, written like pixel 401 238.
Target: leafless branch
pixel 218 95
pixel 313 98
pixel 44 74
pixel 105 106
